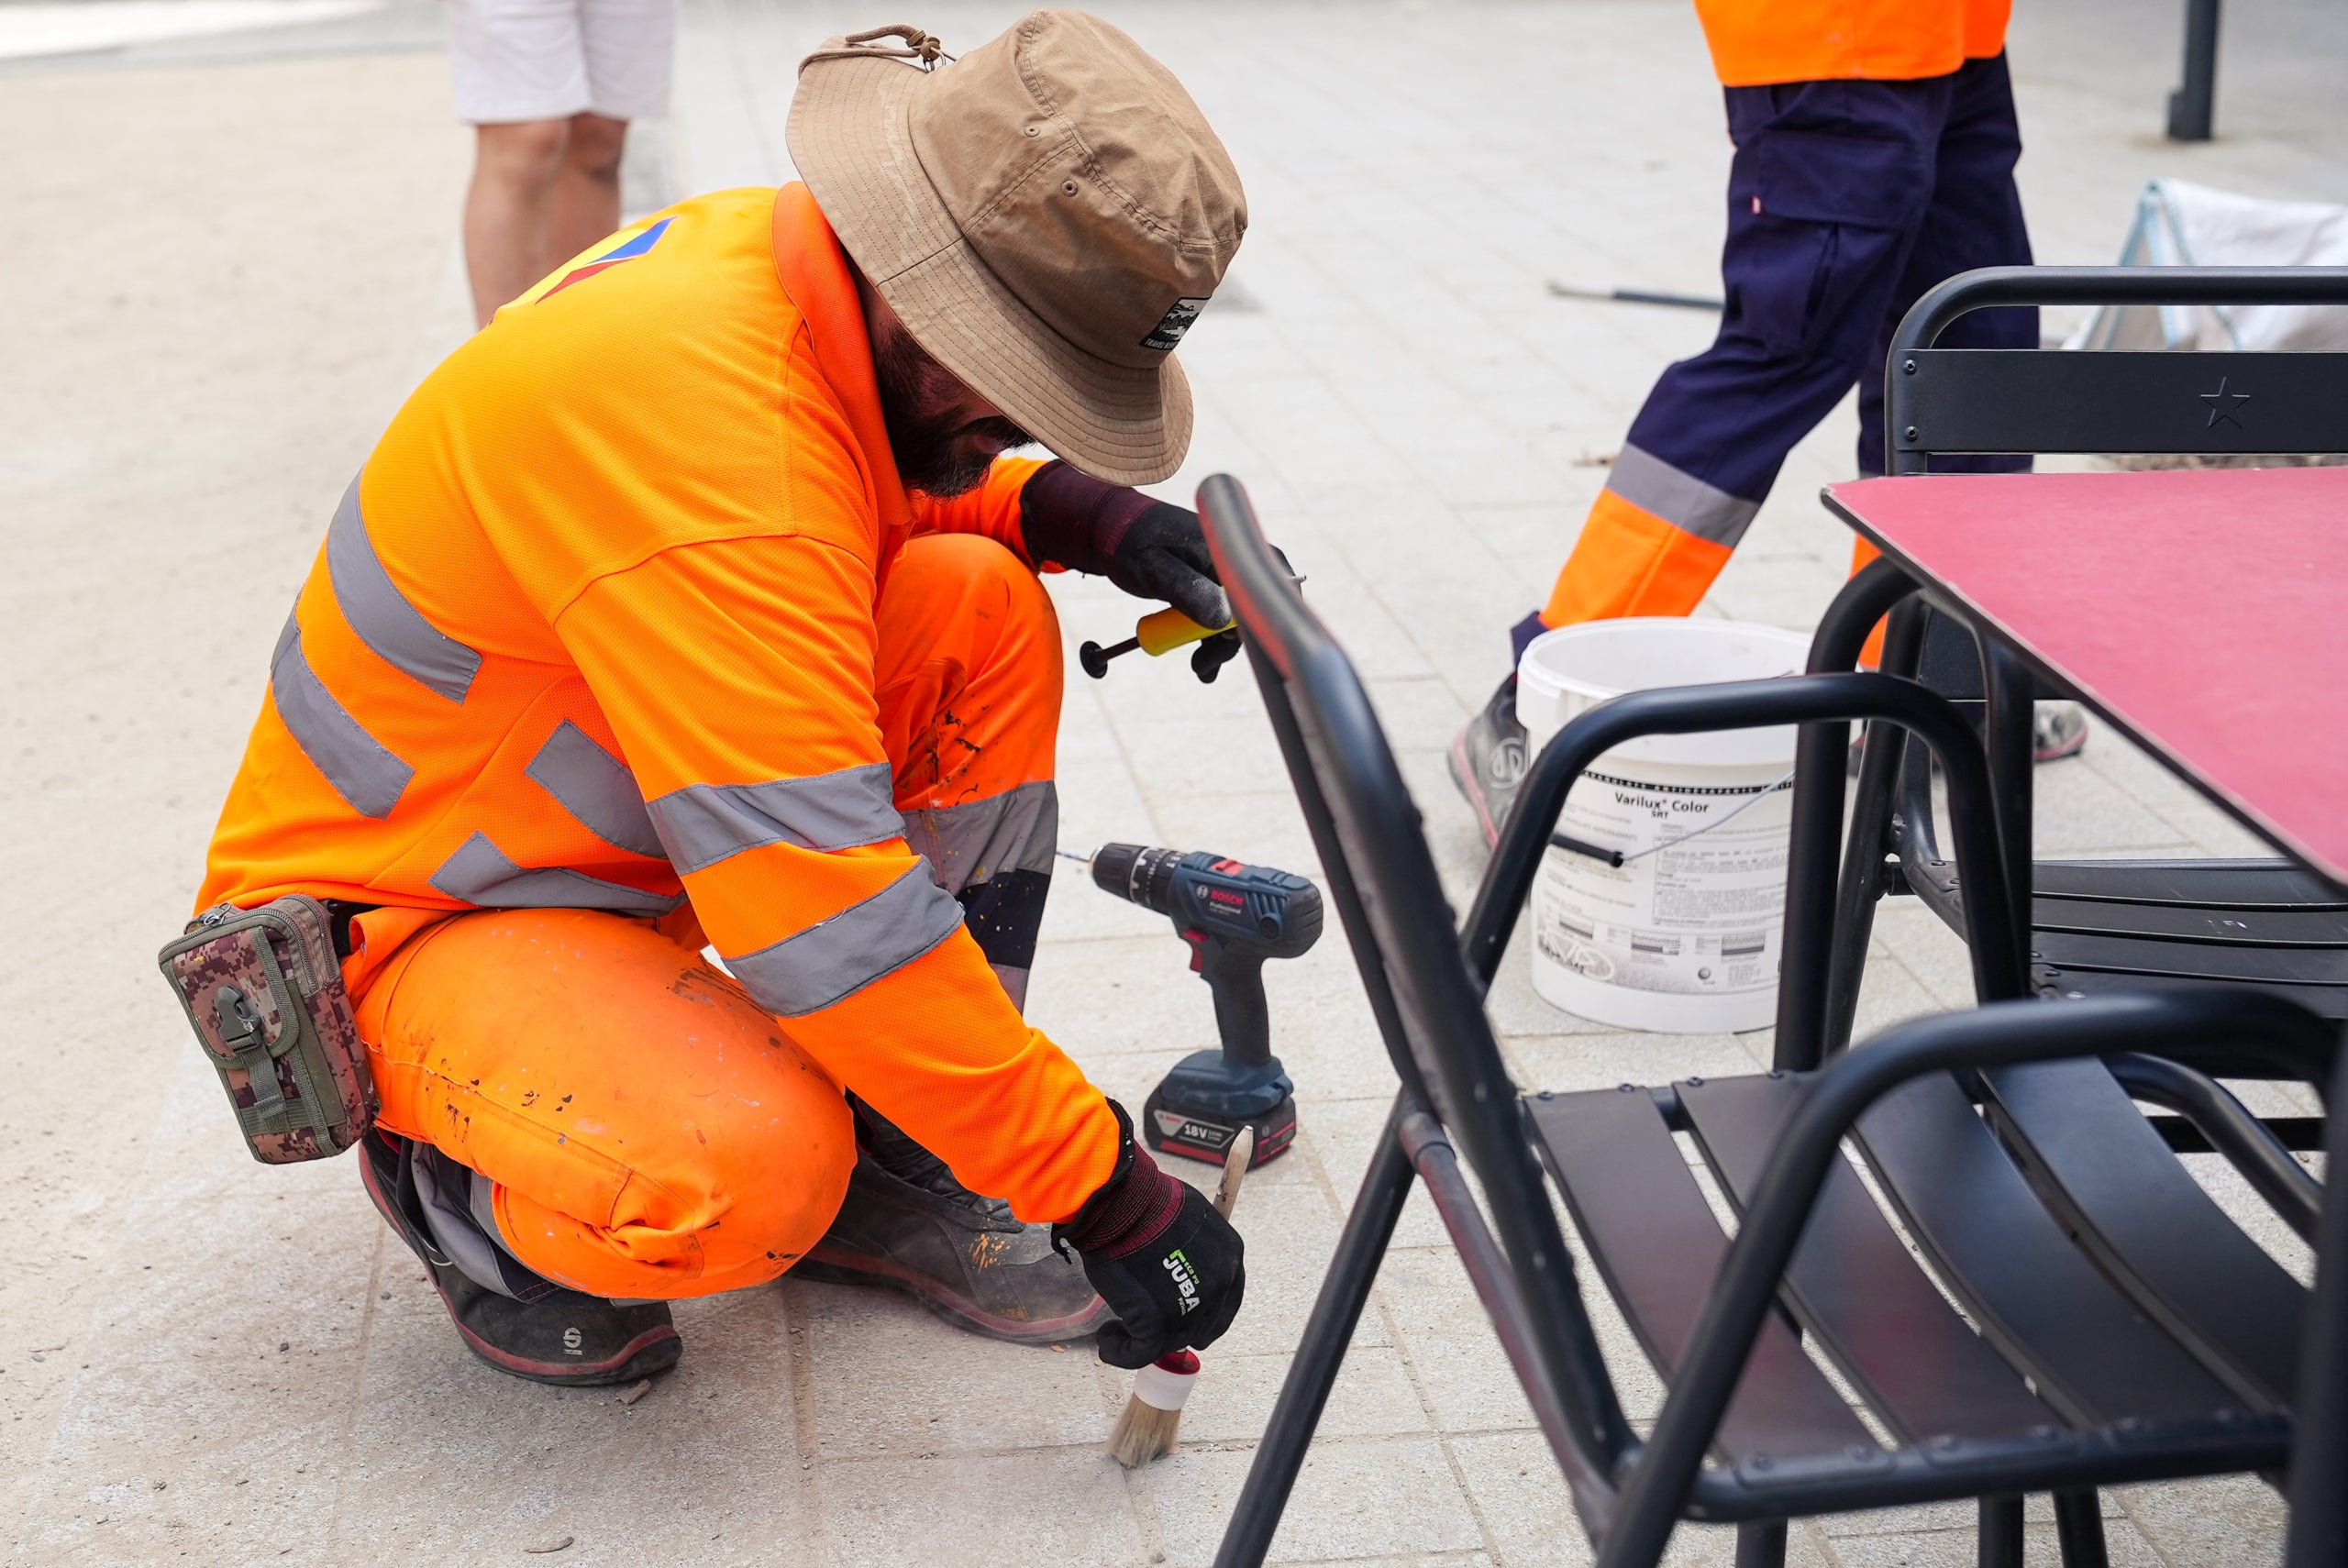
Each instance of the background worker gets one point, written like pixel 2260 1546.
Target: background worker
pixel 549 87
pixel 1876 145
pixel 690 601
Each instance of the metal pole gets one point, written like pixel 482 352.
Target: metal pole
pixel 2191 106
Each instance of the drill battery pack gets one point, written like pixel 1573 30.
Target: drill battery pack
pixel 1206 1100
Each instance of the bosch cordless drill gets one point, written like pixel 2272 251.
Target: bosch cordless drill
pixel 1234 916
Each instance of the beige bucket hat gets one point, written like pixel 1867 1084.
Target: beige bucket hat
pixel 1046 215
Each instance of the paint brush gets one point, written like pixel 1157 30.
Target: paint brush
pixel 1153 1412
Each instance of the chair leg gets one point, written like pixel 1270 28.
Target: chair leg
pixel 1861 883
pixel 1761 1545
pixel 1321 1352
pixel 2319 1528
pixel 2002 1533
pixel 2006 726
pixel 2078 1528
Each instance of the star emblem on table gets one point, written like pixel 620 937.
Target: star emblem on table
pixel 2224 405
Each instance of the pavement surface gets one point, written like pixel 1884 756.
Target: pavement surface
pixel 230 254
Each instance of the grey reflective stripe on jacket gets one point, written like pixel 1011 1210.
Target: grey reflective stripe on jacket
pixel 965 844
pixel 381 614
pixel 481 873
pixel 361 769
pixel 1682 500
pixel 595 787
pixel 704 824
pixel 825 963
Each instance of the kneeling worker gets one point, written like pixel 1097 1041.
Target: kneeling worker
pixel 689 602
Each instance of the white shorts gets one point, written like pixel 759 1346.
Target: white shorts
pixel 549 59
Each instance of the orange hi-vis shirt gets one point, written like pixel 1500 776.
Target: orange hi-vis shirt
pixel 1757 42
pixel 594 627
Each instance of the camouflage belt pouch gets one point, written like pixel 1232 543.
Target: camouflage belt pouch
pixel 266 997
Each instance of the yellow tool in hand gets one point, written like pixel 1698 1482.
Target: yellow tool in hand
pixel 1156 634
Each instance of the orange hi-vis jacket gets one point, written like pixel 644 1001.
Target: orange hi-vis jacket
pixel 1758 42
pixel 594 627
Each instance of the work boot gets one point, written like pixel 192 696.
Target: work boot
pixel 1489 760
pixel 556 1335
pixel 908 1225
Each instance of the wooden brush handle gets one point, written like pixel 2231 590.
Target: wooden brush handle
pixel 1234 1171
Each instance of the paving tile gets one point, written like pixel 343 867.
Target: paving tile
pixel 1290 1234
pixel 447 1460
pixel 2110 756
pixel 1523 1501
pixel 1444 1329
pixel 891 1379
pixel 1343 1133
pixel 1232 1402
pixel 1358 1498
pixel 1564 1063
pixel 2214 1523
pixel 2076 811
pixel 1957 1548
pixel 975 1510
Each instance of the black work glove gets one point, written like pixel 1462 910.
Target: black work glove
pixel 1152 549
pixel 1171 1267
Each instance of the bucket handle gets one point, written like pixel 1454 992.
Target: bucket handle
pixel 1616 858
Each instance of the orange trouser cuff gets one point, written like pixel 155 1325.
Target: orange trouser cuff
pixel 1628 561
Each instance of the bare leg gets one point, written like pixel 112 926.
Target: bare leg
pixel 587 190
pixel 508 208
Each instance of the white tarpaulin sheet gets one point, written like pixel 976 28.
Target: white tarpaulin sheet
pixel 2182 225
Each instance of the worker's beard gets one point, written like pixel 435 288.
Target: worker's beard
pixel 939 452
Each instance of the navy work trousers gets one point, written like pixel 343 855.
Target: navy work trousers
pixel 1847 201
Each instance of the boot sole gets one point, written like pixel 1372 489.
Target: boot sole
pixel 833 1265
pixel 655 1350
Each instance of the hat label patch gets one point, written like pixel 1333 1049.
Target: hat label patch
pixel 1175 322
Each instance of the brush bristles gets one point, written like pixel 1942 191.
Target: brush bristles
pixel 1142 1433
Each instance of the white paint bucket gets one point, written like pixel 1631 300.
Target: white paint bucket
pixel 1683 937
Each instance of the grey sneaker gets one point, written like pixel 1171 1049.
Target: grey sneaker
pixel 908 1225
pixel 1489 760
pixel 2057 730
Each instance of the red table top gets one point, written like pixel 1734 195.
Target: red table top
pixel 2203 612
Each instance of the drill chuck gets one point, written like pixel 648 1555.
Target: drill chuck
pixel 1138 875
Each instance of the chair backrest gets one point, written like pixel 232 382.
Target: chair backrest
pixel 1969 401
pixel 1382 879
pixel 2035 400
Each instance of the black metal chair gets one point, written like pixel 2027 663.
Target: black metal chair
pixel 2096 927
pixel 2127 1330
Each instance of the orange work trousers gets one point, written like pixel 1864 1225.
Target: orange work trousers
pixel 650 1132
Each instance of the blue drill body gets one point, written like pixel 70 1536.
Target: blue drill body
pixel 1234 916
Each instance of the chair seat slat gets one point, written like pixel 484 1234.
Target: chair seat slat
pixel 1856 1287
pixel 2091 1352
pixel 1655 1241
pixel 2150 1223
